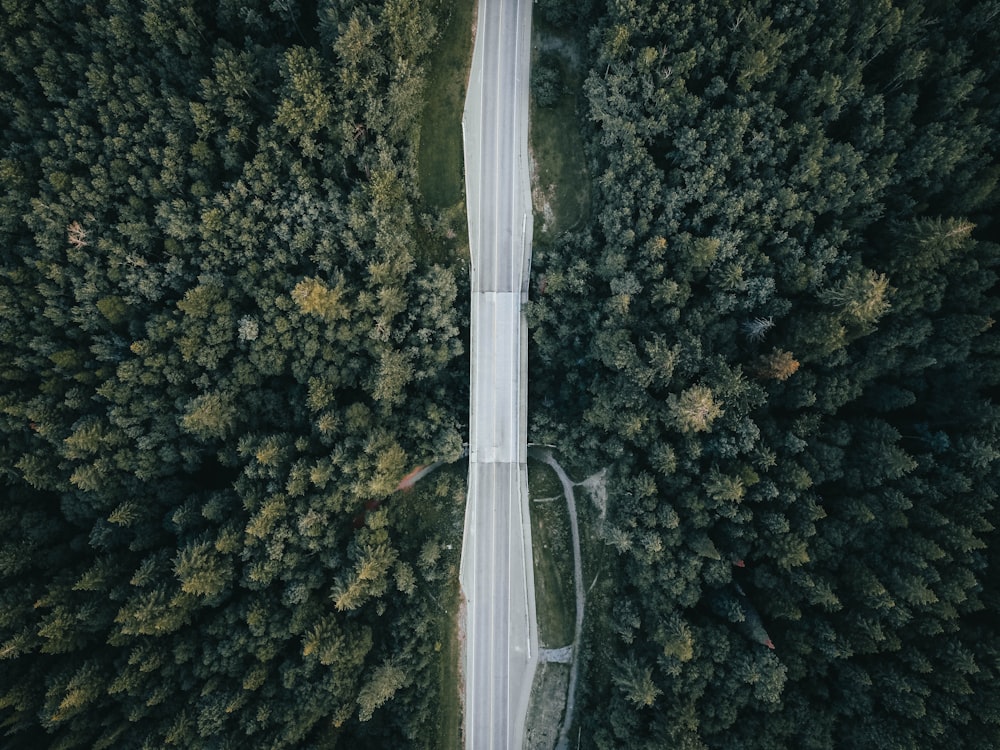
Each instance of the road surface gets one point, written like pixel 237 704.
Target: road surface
pixel 501 647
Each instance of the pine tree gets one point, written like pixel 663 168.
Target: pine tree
pixel 695 409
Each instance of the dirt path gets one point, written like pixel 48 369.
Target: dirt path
pixel 574 527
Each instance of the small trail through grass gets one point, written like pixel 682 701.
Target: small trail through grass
pixel 568 654
pixel 567 484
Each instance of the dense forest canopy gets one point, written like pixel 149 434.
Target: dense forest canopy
pixel 779 330
pixel 222 344
pixel 224 338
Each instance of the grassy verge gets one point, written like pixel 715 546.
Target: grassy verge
pixel 561 181
pixel 433 514
pixel 449 732
pixel 450 720
pixel 441 235
pixel 543 482
pixel 599 563
pixel 441 173
pixel 553 558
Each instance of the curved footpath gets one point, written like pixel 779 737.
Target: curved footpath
pixel 501 635
pixel 580 596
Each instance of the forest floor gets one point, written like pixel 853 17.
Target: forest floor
pixel 559 177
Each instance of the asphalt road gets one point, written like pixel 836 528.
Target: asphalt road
pixel 501 639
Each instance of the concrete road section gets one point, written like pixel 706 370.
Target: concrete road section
pixel 501 648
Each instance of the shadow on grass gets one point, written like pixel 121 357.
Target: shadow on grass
pixel 441 166
pixel 560 180
pixel 553 557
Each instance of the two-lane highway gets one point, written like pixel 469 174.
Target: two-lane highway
pixel 501 645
